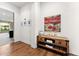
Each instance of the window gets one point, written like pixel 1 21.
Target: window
pixel 4 27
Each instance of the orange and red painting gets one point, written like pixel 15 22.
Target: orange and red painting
pixel 52 23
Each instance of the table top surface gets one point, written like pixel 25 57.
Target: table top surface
pixel 55 37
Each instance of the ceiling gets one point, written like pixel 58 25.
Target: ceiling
pixel 6 15
pixel 19 4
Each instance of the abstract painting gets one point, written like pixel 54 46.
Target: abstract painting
pixel 52 23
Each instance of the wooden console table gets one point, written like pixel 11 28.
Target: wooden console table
pixel 57 44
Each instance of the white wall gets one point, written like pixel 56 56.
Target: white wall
pixel 25 29
pixel 69 21
pixel 29 33
pixel 14 9
pixel 35 19
pixel 68 25
pixel 73 31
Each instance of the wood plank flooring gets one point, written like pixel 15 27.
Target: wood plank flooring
pixel 22 49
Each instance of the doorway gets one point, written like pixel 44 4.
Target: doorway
pixel 6 26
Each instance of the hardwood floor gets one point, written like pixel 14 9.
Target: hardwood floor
pixel 22 49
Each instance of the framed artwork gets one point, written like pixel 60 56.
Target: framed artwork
pixel 52 23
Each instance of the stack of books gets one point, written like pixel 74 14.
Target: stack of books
pixel 49 41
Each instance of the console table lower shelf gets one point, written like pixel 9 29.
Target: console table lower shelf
pixel 61 52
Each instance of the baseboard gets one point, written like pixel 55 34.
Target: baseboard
pixel 16 40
